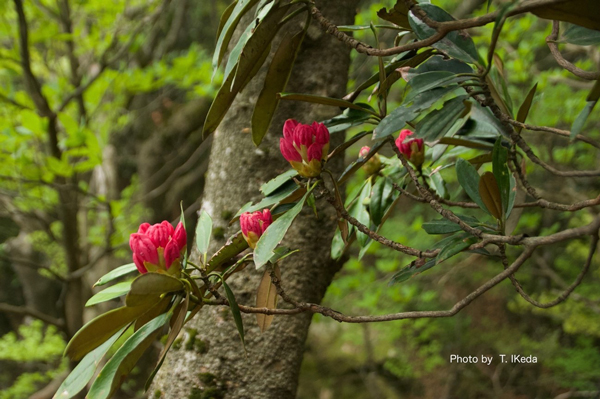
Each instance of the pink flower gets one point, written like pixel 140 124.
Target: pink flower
pixel 373 164
pixel 413 149
pixel 158 247
pixel 254 225
pixel 305 146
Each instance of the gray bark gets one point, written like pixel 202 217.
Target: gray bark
pixel 211 364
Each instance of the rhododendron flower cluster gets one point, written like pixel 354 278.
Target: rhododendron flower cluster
pixel 305 146
pixel 254 225
pixel 412 149
pixel 373 164
pixel 158 247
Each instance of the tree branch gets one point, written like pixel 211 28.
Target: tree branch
pixel 26 311
pixel 551 41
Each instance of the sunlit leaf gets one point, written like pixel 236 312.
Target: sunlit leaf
pixel 266 297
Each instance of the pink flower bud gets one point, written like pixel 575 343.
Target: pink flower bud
pixel 180 236
pixel 373 164
pixel 413 149
pixel 158 247
pixel 305 146
pixel 254 225
pixel 144 251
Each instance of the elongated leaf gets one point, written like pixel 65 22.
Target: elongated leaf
pixel 430 80
pixel 445 226
pixel 148 287
pixel 203 232
pixel 224 17
pixel 334 102
pixel 415 267
pixel 457 44
pixel 438 122
pixel 253 55
pixel 266 297
pixel 273 184
pixel 490 194
pixel 106 383
pixel 347 119
pixel 287 192
pixel 465 142
pixel 275 82
pixel 439 63
pixel 397 119
pixel 469 181
pixel 580 12
pixel 84 371
pixel 381 199
pixel 591 99
pixel 116 273
pixel 235 311
pixel 159 308
pixel 525 107
pixel 501 173
pixel 581 36
pixel 178 322
pixel 101 328
pixel 225 33
pixel 412 60
pixel 235 245
pixel 359 212
pixel 109 293
pixel 274 234
pixel 453 248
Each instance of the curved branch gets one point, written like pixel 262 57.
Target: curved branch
pixel 551 42
pixel 558 132
pixel 565 294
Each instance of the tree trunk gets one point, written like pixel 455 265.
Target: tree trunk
pixel 211 361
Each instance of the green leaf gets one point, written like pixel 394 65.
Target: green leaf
pixel 430 80
pixel 581 36
pixel 109 293
pixel 106 383
pixel 381 199
pixel 275 233
pixel 525 107
pixel 235 311
pixel 203 232
pixel 511 196
pixel 397 119
pixel 490 194
pixel 439 63
pixel 359 212
pixel 251 58
pixel 284 192
pixel 347 119
pixel 469 181
pixel 466 142
pixel 235 245
pixel 439 184
pixel 457 44
pixel 148 287
pixel 439 121
pixel 84 371
pixel 580 12
pixel 501 173
pixel 412 59
pixel 275 82
pixel 179 313
pixel 101 328
pixel 116 273
pixel 225 33
pixel 445 226
pixel 334 102
pixel 591 99
pixel 415 267
pixel 273 184
pixel 454 247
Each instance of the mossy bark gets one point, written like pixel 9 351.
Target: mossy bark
pixel 236 170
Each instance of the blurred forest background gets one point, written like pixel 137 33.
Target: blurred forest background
pixel 131 80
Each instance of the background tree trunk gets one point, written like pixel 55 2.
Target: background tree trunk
pixel 211 361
